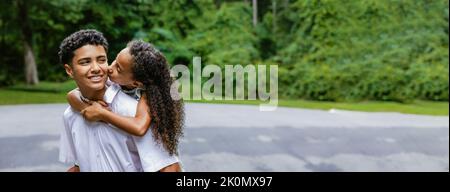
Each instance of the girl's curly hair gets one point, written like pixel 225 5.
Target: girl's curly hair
pixel 151 68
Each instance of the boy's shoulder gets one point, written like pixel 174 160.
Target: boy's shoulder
pixel 70 114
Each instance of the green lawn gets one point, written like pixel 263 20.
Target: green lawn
pixel 47 87
pixel 417 107
pixel 13 97
pixel 44 92
pixel 47 92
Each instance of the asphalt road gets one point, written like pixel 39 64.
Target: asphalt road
pixel 241 138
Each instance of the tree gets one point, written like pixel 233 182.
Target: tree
pixel 255 12
pixel 31 53
pixel 31 73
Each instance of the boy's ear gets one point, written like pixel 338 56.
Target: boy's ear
pixel 69 70
pixel 138 84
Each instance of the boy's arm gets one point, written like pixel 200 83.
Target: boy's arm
pixel 137 125
pixel 73 97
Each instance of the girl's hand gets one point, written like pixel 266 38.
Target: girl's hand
pixel 95 111
pixel 172 168
pixel 74 169
pixel 101 102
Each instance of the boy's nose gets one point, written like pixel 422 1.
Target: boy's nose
pixel 95 67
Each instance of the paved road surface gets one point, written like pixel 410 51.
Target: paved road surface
pixel 241 138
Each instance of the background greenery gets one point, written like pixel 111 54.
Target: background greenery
pixel 52 92
pixel 327 50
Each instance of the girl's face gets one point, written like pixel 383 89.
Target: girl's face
pixel 120 71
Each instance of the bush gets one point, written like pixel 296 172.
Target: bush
pixel 358 50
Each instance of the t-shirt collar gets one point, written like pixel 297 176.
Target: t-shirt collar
pixel 111 92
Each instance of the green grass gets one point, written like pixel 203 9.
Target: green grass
pixel 44 92
pixel 417 107
pixel 47 92
pixel 14 97
pixel 49 87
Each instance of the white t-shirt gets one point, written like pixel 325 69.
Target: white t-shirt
pixel 96 146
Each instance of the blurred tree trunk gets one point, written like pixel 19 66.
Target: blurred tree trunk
pixel 217 3
pixel 255 12
pixel 274 19
pixel 31 73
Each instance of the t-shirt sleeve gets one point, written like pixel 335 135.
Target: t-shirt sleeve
pixel 153 156
pixel 66 145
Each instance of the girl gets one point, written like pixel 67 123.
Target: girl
pixel 143 73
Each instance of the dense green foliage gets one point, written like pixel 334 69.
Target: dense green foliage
pixel 369 49
pixel 326 49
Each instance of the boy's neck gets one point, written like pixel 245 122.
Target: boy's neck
pixel 93 95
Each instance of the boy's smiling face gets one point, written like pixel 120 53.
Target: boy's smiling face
pixel 89 67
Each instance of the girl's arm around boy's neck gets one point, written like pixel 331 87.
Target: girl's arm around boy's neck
pixel 98 111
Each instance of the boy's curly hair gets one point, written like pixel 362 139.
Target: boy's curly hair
pixel 77 40
pixel 151 68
